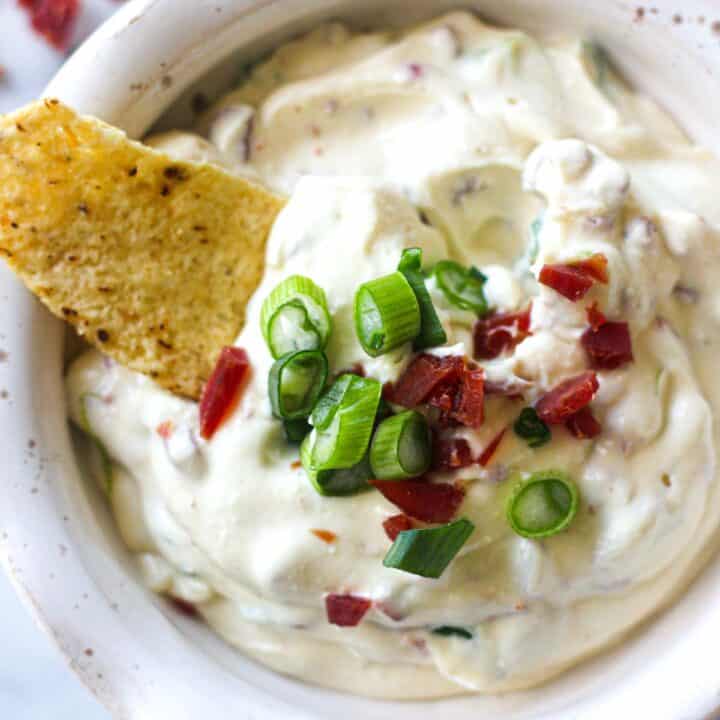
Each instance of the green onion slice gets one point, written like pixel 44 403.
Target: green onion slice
pixel 531 428
pixel 431 331
pixel 401 447
pixel 296 430
pixel 343 421
pixel 428 551
pixel 335 482
pixel 451 630
pixel 295 317
pixel 295 383
pixel 463 287
pixel 387 314
pixel 543 504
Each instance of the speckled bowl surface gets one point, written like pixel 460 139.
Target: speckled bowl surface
pixel 57 539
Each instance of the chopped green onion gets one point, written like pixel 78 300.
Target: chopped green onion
pixel 336 482
pixel 463 287
pixel 450 630
pixel 531 428
pixel 296 430
pixel 428 551
pixel 295 317
pixel 343 421
pixel 387 314
pixel 431 330
pixel 543 504
pixel 295 383
pixel 401 447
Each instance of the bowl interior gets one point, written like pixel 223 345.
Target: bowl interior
pixel 145 68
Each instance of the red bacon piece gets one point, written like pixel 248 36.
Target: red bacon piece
pixel 569 397
pixel 570 282
pixel 396 524
pixel 451 454
pixel 595 267
pixel 53 19
pixel 223 390
pixel 496 333
pixel 490 450
pixel 346 610
pixel 596 319
pixel 470 400
pixel 429 502
pixel 583 424
pixel 609 346
pixel 423 376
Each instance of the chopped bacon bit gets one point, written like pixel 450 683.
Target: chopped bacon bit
pixel 490 450
pixel 184 607
pixel 596 319
pixel 396 524
pixel 165 429
pixel 609 346
pixel 595 266
pixel 469 405
pixel 346 610
pixel 388 392
pixel 567 398
pixel 424 374
pixel 223 389
pixel 583 424
pixel 429 502
pixel 570 282
pixel 53 19
pixel 451 454
pixel 496 333
pixel 326 536
pixel 445 383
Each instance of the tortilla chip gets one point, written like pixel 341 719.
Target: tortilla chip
pixel 150 259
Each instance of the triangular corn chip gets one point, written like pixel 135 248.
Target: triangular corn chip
pixel 150 259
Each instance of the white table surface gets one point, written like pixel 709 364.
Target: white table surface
pixel 35 683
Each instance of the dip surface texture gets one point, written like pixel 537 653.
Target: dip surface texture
pixel 494 149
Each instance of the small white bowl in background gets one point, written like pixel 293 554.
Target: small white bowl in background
pixel 58 542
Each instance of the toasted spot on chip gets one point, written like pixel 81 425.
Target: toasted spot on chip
pixel 105 232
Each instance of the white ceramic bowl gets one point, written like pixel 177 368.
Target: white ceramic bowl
pixel 140 658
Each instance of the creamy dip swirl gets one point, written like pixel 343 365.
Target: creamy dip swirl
pixel 453 137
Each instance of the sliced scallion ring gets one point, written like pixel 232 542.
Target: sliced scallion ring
pixel 543 504
pixel 335 482
pixel 531 428
pixel 387 314
pixel 463 287
pixel 295 317
pixel 343 421
pixel 295 383
pixel 401 447
pixel 428 551
pixel 431 330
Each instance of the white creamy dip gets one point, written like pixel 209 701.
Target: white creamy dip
pixel 453 137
